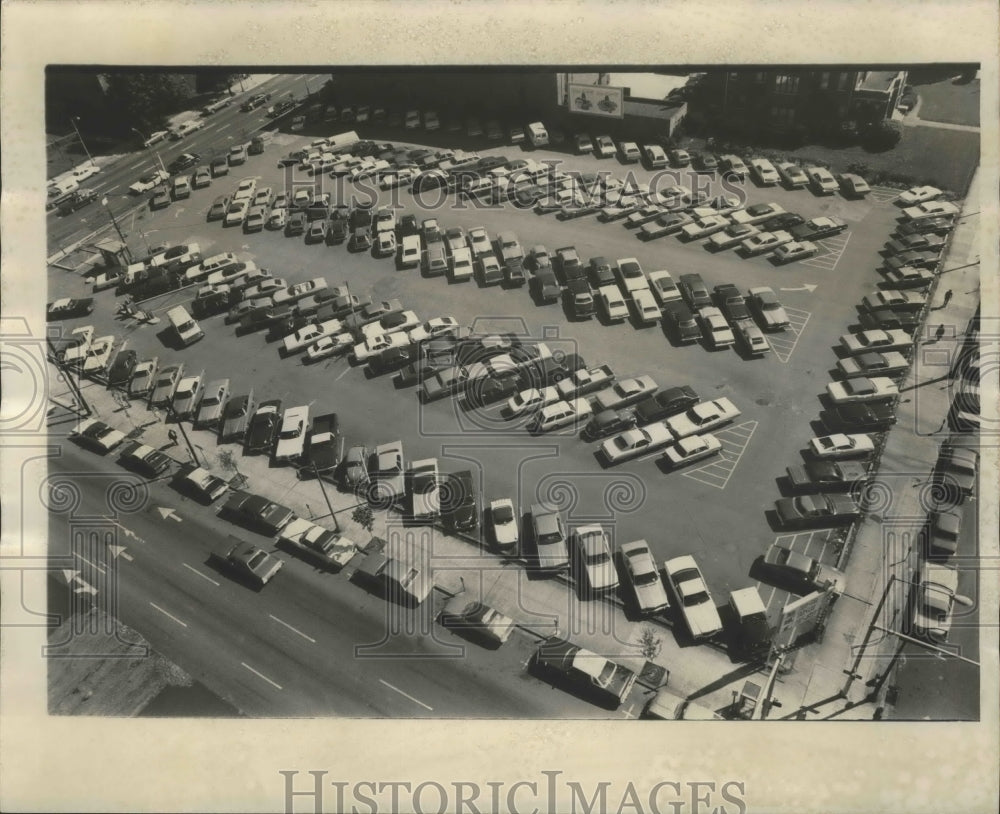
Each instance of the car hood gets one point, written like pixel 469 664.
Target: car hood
pixel 702 619
pixel 651 595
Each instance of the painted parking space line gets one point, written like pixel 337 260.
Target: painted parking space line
pixel 734 443
pixel 783 344
pixel 822 545
pixel 831 249
pixel 883 194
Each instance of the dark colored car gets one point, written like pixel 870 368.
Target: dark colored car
pixel 694 291
pixel 459 501
pixel 706 162
pixel 183 162
pixel 77 200
pixel 513 273
pixel 236 417
pixel 545 285
pixel 336 231
pixel 263 427
pixel 817 228
pixel 926 226
pixel 160 198
pixel 121 369
pixel 666 403
pixel 607 423
pixel 257 512
pixel 408 226
pixel 827 476
pixel 730 300
pixel 888 319
pixel 681 322
pixel 786 220
pixel 600 272
pixel 69 308
pixel 143 459
pixel 859 418
pixel 219 166
pixel 296 224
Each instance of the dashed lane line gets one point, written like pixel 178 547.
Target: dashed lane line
pixel 294 630
pixel 734 443
pixel 203 576
pixel 406 695
pixel 261 675
pixel 168 615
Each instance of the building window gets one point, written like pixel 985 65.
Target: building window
pixel 844 81
pixel 734 76
pixel 784 83
pixel 759 77
pixel 783 116
pixel 824 80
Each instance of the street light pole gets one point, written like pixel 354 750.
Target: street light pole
pixel 73 120
pixel 180 426
pixel 121 237
pixel 150 148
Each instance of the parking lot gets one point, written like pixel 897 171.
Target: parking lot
pixel 714 509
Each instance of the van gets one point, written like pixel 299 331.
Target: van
pixel 187 329
pixel 537 134
pixel 750 637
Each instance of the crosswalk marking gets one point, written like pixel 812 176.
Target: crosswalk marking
pixel 734 443
pixel 783 344
pixel 831 250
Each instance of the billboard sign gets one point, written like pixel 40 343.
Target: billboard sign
pixel 596 100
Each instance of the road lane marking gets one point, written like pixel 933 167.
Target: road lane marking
pixel 341 376
pixel 405 695
pixel 294 630
pixel 261 675
pixel 170 615
pixel 209 579
pixel 91 564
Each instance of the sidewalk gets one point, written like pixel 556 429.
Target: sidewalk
pixel 831 684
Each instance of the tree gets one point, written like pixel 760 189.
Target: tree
pixel 364 517
pixel 143 100
pixel 649 643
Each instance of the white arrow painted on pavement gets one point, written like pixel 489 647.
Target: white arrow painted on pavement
pixel 84 587
pixel 69 575
pixel 119 551
pixel 810 287
pixel 167 512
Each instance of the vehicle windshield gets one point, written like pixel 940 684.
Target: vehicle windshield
pixel 257 560
pixel 293 432
pixel 504 514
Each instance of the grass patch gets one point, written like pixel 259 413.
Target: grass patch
pixel 950 103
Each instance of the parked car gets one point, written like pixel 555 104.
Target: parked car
pixel 792 175
pixel 801 574
pixel 593 568
pixel 692 597
pixel 561 660
pixel 931 209
pixel 821 509
pixel 796 250
pixel 822 181
pixel 842 445
pixel 827 476
pixel 636 442
pixel 875 340
pixel 853 186
pixel 937 595
pixel 706 415
pixel 236 417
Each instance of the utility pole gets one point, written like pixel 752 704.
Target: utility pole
pixel 150 148
pixel 121 237
pixel 180 426
pixel 73 120
pixel 322 488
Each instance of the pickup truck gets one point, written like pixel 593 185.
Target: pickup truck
pixel 247 562
pixel 321 545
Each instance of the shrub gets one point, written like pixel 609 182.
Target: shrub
pixel 883 136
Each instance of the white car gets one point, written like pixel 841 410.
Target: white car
pixel 635 442
pixel 155 138
pixel 329 346
pixel 504 524
pixel 292 434
pixel 647 311
pixel 76 349
pixel 758 213
pixel 693 598
pixel 764 172
pixel 98 354
pixel 479 241
pixel 107 279
pixel 628 151
pixel 184 401
pixel 376 345
pixel 663 286
pixel 584 381
pixel 560 414
pixel 752 338
pixel 716 329
pixel 322 545
pixel 611 299
pixel 862 389
pixel 792 174
pixel 902 300
pixel 236 213
pixel 439 326
pixel 625 393
pixel 704 416
pixel 308 335
pixel 931 209
pixel 299 291
pixel 691 449
pixel 882 364
pixel 149 182
pixel 704 227
pixel 822 180
pixel 896 339
pixel 644 578
pixel 796 250
pixel 630 275
pixel 937 595
pixel 592 559
pixel 460 269
pixel 142 377
pixel 765 242
pixel 531 400
pixel 425 491
pixel 246 189
pixel 733 165
pixel 918 195
pixel 731 236
pixel 841 445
